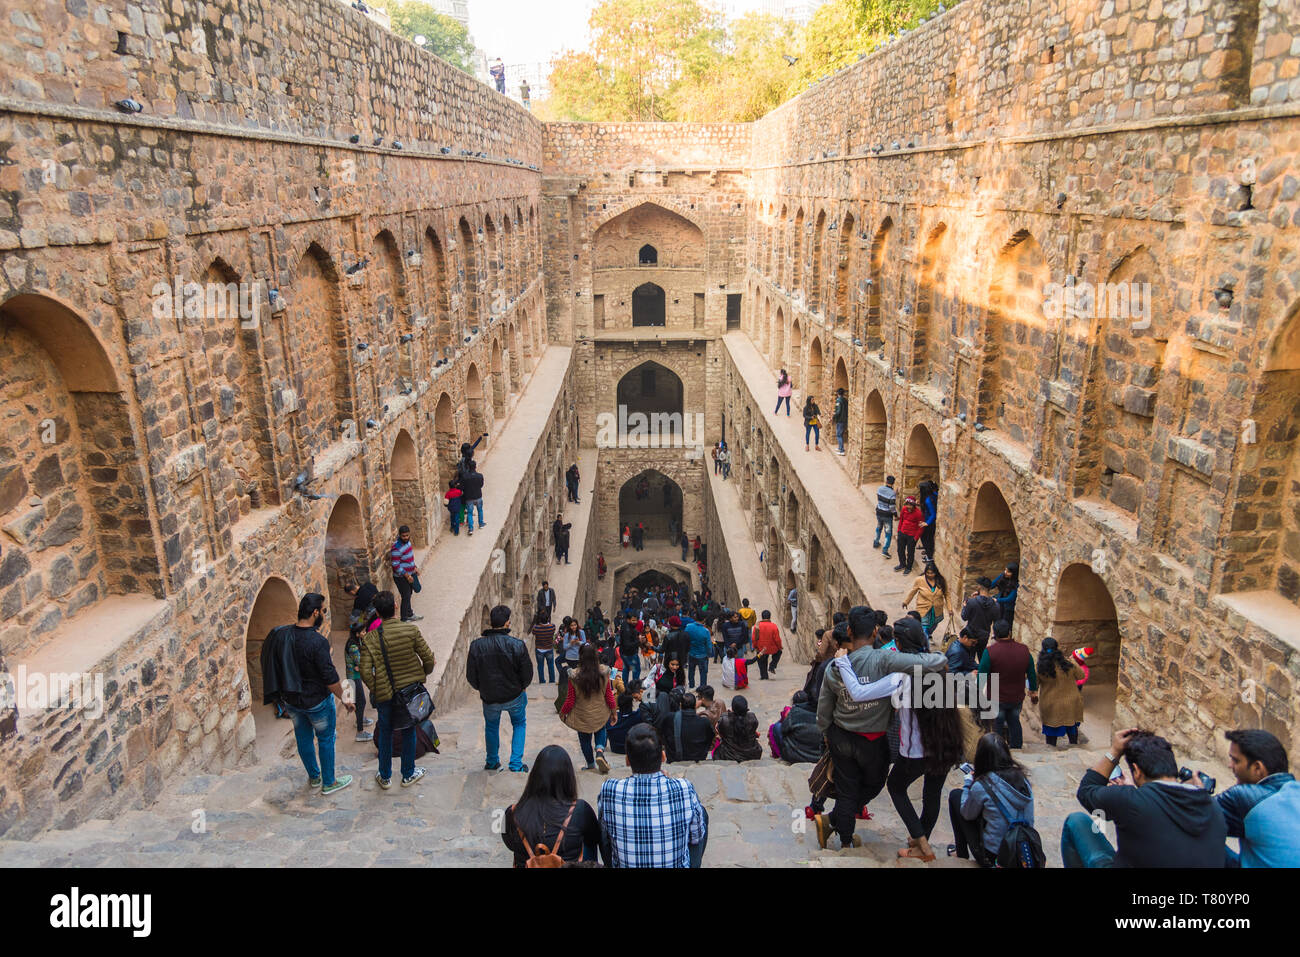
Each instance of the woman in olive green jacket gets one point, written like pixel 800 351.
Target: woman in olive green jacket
pixel 411 662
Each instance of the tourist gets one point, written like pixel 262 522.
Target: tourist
pixel 733 632
pixel 961 654
pixel 298 674
pixel 629 649
pixel 650 819
pixel 795 737
pixel 929 517
pixel 784 389
pixel 1008 586
pixel 590 707
pixel 735 669
pixel 546 599
pixel 997 785
pixel 466 457
pixel 677 644
pixel 686 544
pixel 405 575
pixel 631 712
pixel 738 734
pixel 708 706
pixel 601 567
pixel 454 500
pixel 1060 704
pixel 352 663
pixel 525 94
pixel 696 547
pixel 931 593
pixel 748 615
pixel 767 643
pixel 638 537
pixel 724 460
pixel 549 817
pixel 686 735
pixel 979 611
pixel 572 638
pixel 499 669
pixel 812 422
pixel 673 677
pixel 544 644
pixel 855 732
pixel 1262 809
pixel 930 745
pixel 571 479
pixel 886 509
pixel 717 465
pixel 1160 821
pixel 840 416
pixel 498 72
pixel 560 532
pixel 909 530
pixel 1011 661
pixel 700 647
pixel 472 486
pixel 792 599
pixel 649 650
pixel 827 641
pixel 394 656
pixel 626 536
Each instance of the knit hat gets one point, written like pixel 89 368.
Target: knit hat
pixel 1079 654
pixel 675 622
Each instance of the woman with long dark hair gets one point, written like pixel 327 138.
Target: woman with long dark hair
pixel 738 733
pixel 930 745
pixel 929 517
pixel 590 706
pixel 1008 586
pixel 784 387
pixel 550 813
pixel 1060 698
pixel 931 593
pixel 812 423
pixel 997 785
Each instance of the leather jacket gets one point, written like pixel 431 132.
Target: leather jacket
pixel 498 666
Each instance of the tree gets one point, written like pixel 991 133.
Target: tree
pixel 843 31
pixel 749 80
pixel 445 36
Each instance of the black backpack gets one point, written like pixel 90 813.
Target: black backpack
pixel 1021 846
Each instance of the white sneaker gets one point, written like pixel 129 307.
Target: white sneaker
pixel 415 776
pixel 364 736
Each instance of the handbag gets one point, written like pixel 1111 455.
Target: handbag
pixel 414 697
pixel 821 783
pixel 543 856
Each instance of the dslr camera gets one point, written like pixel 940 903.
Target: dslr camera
pixel 1207 782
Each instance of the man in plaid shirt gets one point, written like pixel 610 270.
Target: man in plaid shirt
pixel 650 819
pixel 405 575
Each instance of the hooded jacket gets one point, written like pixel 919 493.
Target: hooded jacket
pixel 980 612
pixel 800 739
pixel 1160 824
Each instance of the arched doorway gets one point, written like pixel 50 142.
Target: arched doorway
pixel 1015 326
pixel 408 492
pixel 346 558
pixel 650 399
pixel 274 606
pixel 814 384
pixel 654 500
pixel 920 460
pixel 841 379
pixel 1086 618
pixel 499 390
pixel 792 517
pixel 648 305
pixel 444 425
pixel 877 297
pixel 778 340
pixel 469 282
pixel 875 431
pixel 992 543
pixel 796 353
pixel 814 565
pixel 478 423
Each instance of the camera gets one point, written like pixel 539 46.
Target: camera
pixel 1207 782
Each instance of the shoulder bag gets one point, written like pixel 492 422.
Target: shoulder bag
pixel 414 697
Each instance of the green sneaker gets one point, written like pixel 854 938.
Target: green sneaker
pixel 338 785
pixel 314 782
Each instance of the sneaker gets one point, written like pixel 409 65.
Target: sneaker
pixel 589 767
pixel 839 451
pixel 368 721
pixel 415 776
pixel 338 785
pixel 364 736
pixel 314 782
pixel 875 544
pixel 414 618
pixel 522 769
pixel 898 568
pixel 601 763
pixel 493 766
pixel 384 783
pixel 884 554
pixel 836 843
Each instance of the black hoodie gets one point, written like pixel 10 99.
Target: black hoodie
pixel 1160 824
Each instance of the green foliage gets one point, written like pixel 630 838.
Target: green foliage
pixel 446 37
pixel 677 60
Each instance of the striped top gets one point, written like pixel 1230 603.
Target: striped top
pixel 402 557
pixel 886 501
pixel 544 636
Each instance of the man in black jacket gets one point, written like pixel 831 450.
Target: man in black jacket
pixel 979 612
pixel 560 532
pixel 471 485
pixel 687 736
pixel 546 598
pixel 298 672
pixel 500 669
pixel 629 649
pixel 1162 822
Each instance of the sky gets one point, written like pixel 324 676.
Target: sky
pixel 527 31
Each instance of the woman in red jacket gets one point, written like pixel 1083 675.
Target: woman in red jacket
pixel 909 530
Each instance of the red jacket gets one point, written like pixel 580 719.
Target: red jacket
pixel 767 638
pixel 909 521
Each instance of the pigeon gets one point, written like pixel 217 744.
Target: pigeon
pixel 130 106
pixel 357 267
pixel 378 140
pixel 354 138
pixel 790 60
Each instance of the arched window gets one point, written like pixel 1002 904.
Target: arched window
pixel 648 256
pixel 648 307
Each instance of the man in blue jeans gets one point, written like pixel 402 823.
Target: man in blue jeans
pixel 700 650
pixel 886 509
pixel 297 672
pixel 472 486
pixel 500 669
pixel 1013 665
